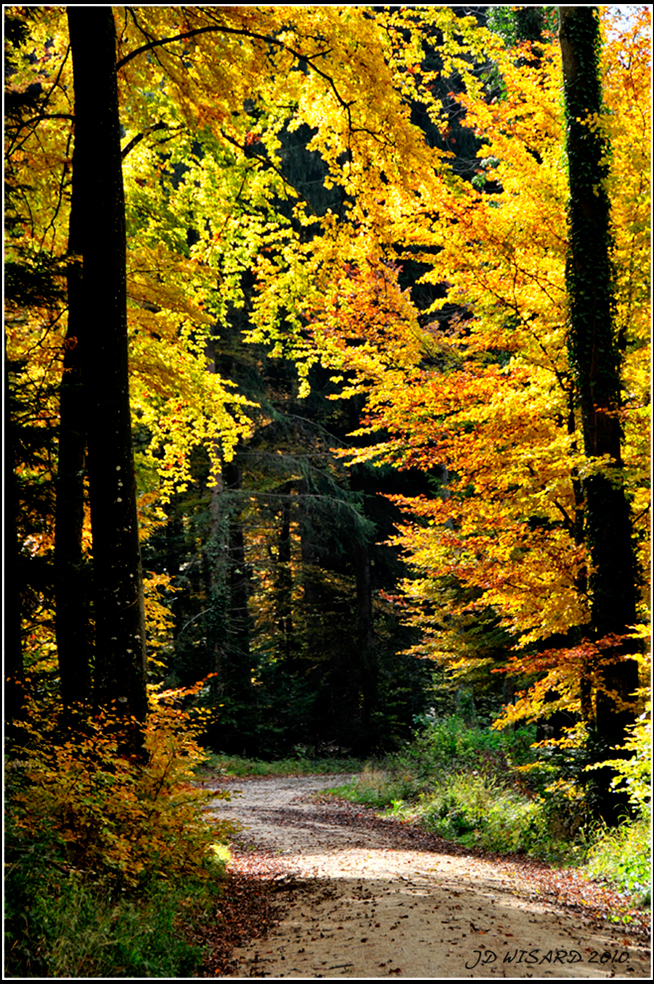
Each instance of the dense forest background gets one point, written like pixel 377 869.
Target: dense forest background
pixel 326 388
pixel 267 551
pixel 276 574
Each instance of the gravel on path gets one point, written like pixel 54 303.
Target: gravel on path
pixel 340 892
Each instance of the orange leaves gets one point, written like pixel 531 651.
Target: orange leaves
pixel 362 314
pixel 485 401
pixel 528 574
pixel 559 677
pixel 497 428
pixel 109 815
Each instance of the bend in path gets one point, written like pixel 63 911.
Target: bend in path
pixel 371 898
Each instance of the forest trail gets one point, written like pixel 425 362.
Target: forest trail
pixel 368 897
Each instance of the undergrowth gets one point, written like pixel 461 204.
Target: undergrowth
pixel 622 858
pixel 486 789
pixel 67 926
pixel 233 765
pixel 107 854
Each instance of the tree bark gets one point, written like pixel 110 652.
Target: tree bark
pixel 13 643
pixel 366 635
pixel 284 582
pixel 118 590
pixel 71 594
pixel 595 359
pixel 230 582
pixel 238 618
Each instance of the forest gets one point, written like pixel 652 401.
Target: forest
pixel 326 418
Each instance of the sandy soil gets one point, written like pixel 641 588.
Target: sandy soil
pixel 370 898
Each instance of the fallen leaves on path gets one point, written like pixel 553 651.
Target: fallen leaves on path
pixel 564 886
pixel 268 880
pixel 250 907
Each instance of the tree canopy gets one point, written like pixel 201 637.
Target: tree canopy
pixel 329 300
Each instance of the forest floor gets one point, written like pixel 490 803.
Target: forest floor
pixel 324 888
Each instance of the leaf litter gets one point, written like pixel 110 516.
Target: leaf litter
pixel 320 887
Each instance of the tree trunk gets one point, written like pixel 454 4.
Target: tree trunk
pixel 366 636
pixel 71 594
pixel 284 582
pixel 13 648
pixel 238 620
pixel 230 582
pixel 118 590
pixel 595 359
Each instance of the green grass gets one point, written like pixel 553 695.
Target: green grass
pixel 466 784
pixel 622 858
pixel 61 925
pixel 234 765
pixel 471 809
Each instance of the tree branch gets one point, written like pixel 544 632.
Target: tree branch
pixel 221 29
pixel 139 136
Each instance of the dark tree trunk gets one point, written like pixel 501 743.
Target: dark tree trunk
pixel 215 557
pixel 595 358
pixel 13 648
pixel 118 589
pixel 238 616
pixel 230 582
pixel 71 592
pixel 284 580
pixel 366 635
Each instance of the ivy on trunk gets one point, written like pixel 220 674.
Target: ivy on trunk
pixel 595 358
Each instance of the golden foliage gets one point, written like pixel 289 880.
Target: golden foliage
pixel 102 812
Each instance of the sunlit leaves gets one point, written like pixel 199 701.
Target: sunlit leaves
pixel 106 815
pixel 488 396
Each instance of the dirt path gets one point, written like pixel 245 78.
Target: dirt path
pixel 370 898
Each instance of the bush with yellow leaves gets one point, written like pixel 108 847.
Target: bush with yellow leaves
pixel 107 814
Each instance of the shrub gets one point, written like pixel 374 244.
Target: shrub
pixel 106 813
pixel 479 811
pixel 106 844
pixel 634 771
pixel 450 745
pixel 622 857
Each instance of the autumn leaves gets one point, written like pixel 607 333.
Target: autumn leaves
pixel 480 388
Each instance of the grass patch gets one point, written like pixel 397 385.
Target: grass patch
pixel 473 810
pixel 464 783
pixel 60 925
pixel 478 811
pixel 622 858
pixel 234 765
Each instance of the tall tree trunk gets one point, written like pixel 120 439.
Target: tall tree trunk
pixel 284 581
pixel 216 561
pixel 366 636
pixel 13 648
pixel 118 591
pixel 238 616
pixel 595 358
pixel 230 583
pixel 71 593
